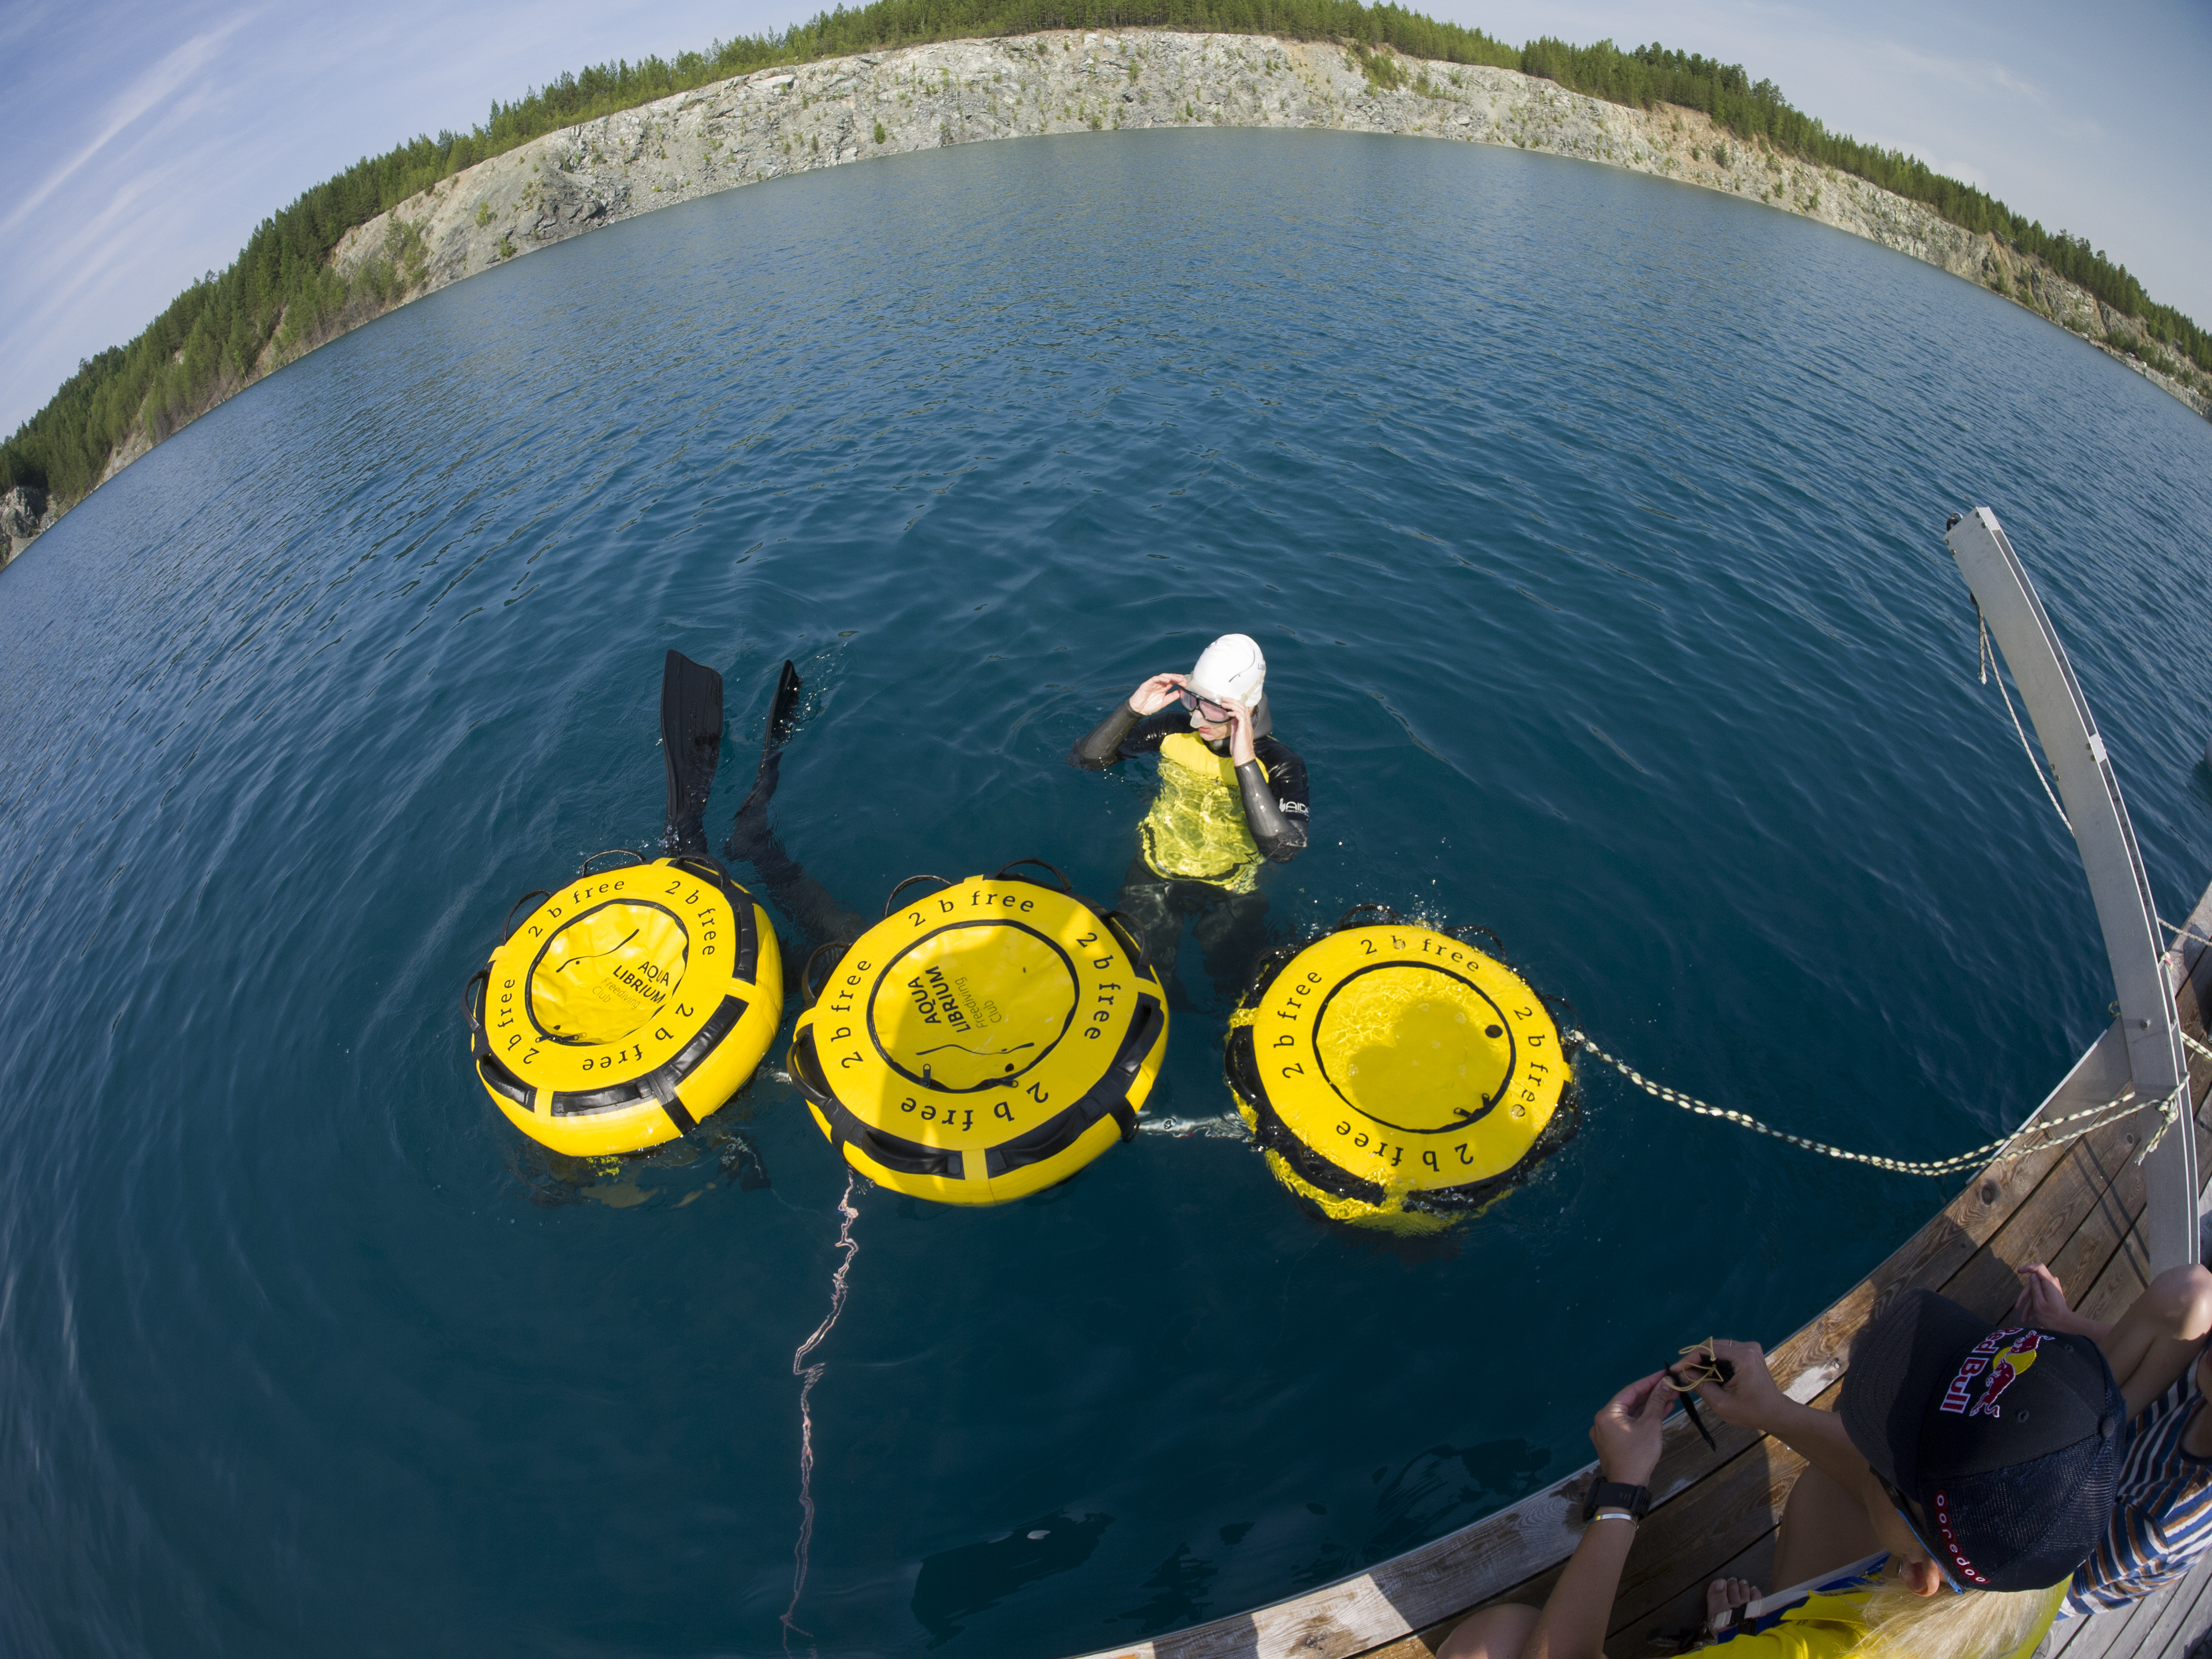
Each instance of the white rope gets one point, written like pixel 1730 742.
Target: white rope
pixel 2183 932
pixel 2092 1119
pixel 1989 663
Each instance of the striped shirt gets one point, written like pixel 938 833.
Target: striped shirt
pixel 2162 1509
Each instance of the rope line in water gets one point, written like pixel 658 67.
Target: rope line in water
pixel 2032 1137
pixel 2038 1132
pixel 809 1376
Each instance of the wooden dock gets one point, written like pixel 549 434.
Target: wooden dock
pixel 2078 1209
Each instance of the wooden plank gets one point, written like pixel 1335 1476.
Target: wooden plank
pixel 2199 1621
pixel 2096 1180
pixel 2126 1632
pixel 2055 1646
pixel 2173 1605
pixel 1419 1646
pixel 2127 1274
pixel 2097 1634
pixel 2190 963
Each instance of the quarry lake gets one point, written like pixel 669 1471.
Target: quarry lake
pixel 1592 526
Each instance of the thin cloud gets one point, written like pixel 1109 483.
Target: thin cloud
pixel 150 92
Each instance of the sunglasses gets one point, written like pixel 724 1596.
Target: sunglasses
pixel 1905 1508
pixel 1213 713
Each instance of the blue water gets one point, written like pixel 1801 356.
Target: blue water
pixel 1592 526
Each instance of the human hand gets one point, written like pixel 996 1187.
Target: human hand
pixel 1240 731
pixel 2042 1303
pixel 1155 694
pixel 1749 1399
pixel 2041 1296
pixel 1626 1429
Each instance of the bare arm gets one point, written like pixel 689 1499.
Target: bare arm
pixel 1751 1399
pixel 1626 1435
pixel 2150 1345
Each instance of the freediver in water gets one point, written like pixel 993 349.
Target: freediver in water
pixel 691 746
pixel 1232 796
pixel 691 741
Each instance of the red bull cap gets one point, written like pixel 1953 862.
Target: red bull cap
pixel 2007 1438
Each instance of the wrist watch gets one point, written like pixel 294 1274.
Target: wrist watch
pixel 1611 1495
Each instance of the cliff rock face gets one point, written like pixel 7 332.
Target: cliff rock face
pixel 24 512
pixel 789 120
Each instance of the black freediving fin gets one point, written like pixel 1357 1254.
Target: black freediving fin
pixel 811 907
pixel 691 744
pixel 782 719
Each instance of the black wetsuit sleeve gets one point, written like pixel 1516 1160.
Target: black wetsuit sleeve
pixel 1101 746
pixel 1123 733
pixel 1275 804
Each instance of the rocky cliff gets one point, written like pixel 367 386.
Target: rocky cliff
pixel 24 512
pixel 848 109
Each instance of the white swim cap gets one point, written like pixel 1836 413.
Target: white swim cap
pixel 1230 667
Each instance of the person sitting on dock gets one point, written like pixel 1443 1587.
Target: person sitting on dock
pixel 1965 1473
pixel 2161 1519
pixel 1232 796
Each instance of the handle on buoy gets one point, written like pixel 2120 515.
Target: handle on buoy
pixel 806 974
pixel 1385 911
pixel 482 977
pixel 585 868
pixel 507 927
pixel 891 904
pixel 1064 885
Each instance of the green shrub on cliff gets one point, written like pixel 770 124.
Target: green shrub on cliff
pixel 281 294
pixel 1382 69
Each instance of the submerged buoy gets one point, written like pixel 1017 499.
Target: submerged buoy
pixel 982 1043
pixel 1396 1076
pixel 628 1007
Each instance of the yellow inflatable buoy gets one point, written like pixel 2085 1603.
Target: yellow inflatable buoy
pixel 1396 1076
pixel 983 1042
pixel 627 1006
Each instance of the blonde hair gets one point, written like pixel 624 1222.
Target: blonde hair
pixel 1978 1625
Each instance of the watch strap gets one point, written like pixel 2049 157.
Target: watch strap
pixel 1613 1495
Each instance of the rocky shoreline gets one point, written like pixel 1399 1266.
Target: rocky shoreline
pixel 847 109
pixel 24 513
pixel 762 125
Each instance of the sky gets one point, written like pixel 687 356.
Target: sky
pixel 147 140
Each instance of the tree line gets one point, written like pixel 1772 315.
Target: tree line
pixel 1651 75
pixel 282 292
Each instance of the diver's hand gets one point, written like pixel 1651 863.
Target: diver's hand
pixel 1154 695
pixel 1627 1430
pixel 1240 731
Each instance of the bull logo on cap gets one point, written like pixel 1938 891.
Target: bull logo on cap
pixel 2003 1356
